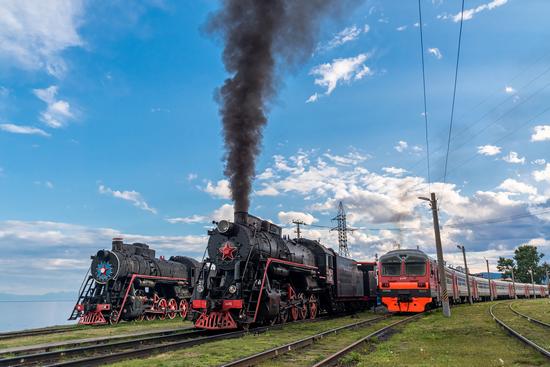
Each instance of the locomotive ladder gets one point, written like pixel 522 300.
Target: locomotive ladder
pixel 254 297
pixel 85 291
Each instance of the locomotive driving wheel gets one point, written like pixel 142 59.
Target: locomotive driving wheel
pixel 313 307
pixel 172 307
pixel 184 307
pixel 283 315
pixel 141 317
pixel 113 318
pixel 150 316
pixel 302 306
pixel 162 306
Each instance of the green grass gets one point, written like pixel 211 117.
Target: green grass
pixel 219 352
pixel 469 338
pixel 534 332
pixel 537 308
pixel 327 346
pixel 81 332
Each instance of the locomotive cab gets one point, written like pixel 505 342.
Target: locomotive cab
pixel 404 280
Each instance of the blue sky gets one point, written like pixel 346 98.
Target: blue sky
pixel 108 126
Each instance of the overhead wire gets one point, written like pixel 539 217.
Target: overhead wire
pixel 454 91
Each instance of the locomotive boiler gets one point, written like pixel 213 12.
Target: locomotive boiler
pixel 254 275
pixel 128 282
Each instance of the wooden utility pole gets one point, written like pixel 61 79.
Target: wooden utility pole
pixel 467 274
pixel 440 261
pixel 298 223
pixel 489 280
pixel 514 282
pixel 533 283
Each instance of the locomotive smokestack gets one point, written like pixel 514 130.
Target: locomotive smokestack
pixel 258 34
pixel 241 217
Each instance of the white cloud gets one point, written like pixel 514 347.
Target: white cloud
pixel 401 146
pixel 366 28
pixel 541 133
pixel 435 52
pixel 509 89
pixel 395 171
pixel 33 34
pixel 219 190
pixel 313 98
pixel 539 162
pixel 186 220
pixel 288 217
pixel 58 111
pixel 346 35
pixel 267 191
pixel 132 196
pixel 469 13
pixel 488 150
pixel 401 28
pixel 329 75
pixel 47 184
pixel 514 186
pixel 20 129
pixel 350 159
pixel 513 157
pixel 192 176
pixel 226 212
pixel 542 175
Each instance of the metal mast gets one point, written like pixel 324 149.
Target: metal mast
pixel 342 228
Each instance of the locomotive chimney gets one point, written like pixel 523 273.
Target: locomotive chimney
pixel 241 217
pixel 117 241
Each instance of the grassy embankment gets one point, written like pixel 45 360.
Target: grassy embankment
pixel 216 353
pixel 469 338
pixel 81 332
pixel 537 308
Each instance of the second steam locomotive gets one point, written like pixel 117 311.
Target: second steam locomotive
pixel 129 282
pixel 254 275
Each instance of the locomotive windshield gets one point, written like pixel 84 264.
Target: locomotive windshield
pixel 391 266
pixel 415 265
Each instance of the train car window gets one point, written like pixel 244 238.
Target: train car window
pixel 415 268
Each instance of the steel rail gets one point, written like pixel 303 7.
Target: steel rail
pixel 517 334
pixel 58 354
pixel 113 352
pixel 529 318
pixel 333 359
pixel 32 332
pixel 88 341
pixel 302 343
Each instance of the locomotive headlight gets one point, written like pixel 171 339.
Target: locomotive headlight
pixel 223 226
pixel 232 288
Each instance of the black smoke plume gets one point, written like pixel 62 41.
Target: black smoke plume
pixel 259 36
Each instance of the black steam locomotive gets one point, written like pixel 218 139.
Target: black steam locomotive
pixel 254 275
pixel 129 283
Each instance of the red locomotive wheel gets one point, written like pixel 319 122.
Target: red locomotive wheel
pixel 294 313
pixel 150 316
pixel 113 319
pixel 184 308
pixel 172 308
pixel 162 306
pixel 302 307
pixel 313 307
pixel 283 316
pixel 141 317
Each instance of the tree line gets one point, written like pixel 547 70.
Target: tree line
pixel 526 259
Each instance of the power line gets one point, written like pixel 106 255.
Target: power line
pixel 498 220
pixel 424 90
pixel 454 91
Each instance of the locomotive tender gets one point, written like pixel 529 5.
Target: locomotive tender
pixel 408 281
pixel 254 275
pixel 129 283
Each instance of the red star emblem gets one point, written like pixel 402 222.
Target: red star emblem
pixel 227 251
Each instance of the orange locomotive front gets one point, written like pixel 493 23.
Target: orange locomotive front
pixel 404 279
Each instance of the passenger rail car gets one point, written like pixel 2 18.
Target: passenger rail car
pixel 129 283
pixel 408 281
pixel 254 275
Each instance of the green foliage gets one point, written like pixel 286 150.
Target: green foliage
pixel 525 258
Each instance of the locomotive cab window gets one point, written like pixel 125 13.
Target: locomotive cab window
pixel 415 266
pixel 391 266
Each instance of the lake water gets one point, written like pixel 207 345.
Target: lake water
pixel 17 315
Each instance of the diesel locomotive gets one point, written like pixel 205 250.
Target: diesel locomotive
pixel 128 282
pixel 408 281
pixel 254 275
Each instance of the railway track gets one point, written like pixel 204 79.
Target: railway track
pixel 110 352
pixel 529 318
pixel 34 332
pixel 516 333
